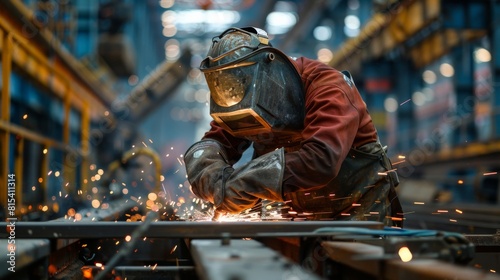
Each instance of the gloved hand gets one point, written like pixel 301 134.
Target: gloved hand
pixel 233 191
pixel 260 178
pixel 207 170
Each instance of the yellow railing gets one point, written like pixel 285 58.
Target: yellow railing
pixel 56 76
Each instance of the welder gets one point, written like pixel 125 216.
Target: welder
pixel 315 146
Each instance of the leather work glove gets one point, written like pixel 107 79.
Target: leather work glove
pixel 233 191
pixel 207 170
pixel 260 178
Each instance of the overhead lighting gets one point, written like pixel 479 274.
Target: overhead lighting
pixel 446 70
pixel 196 19
pixel 325 55
pixel 391 104
pixel 429 77
pixel 352 25
pixel 280 22
pixel 169 31
pixel 418 98
pixel 282 18
pixel 322 33
pixel 167 3
pixel 482 55
pixel 172 49
pixel 352 22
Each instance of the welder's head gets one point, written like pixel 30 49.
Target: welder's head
pixel 254 87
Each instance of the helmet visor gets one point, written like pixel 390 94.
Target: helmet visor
pixel 228 86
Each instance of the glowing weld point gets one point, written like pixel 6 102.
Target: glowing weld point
pixel 458 211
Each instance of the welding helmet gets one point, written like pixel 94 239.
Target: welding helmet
pixel 254 88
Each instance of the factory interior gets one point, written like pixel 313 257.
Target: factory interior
pixel 100 100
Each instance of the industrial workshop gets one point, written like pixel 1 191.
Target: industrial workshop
pixel 250 139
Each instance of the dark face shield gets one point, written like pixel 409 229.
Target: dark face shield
pixel 259 94
pixel 228 87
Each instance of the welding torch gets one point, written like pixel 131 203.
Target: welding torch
pixel 217 215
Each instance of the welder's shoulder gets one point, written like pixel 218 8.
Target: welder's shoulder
pixel 319 73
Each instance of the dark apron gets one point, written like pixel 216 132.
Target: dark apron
pixel 364 190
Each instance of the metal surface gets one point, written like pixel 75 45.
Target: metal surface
pixel 114 210
pixel 243 259
pixel 27 251
pixel 432 270
pixel 374 264
pixel 158 272
pixel 178 229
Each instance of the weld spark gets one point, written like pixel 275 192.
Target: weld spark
pixel 404 102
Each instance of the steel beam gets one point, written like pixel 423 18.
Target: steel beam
pixel 243 259
pixel 177 229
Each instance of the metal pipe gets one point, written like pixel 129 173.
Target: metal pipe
pixel 178 229
pixel 133 153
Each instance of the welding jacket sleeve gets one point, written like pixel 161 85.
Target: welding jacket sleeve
pixel 212 178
